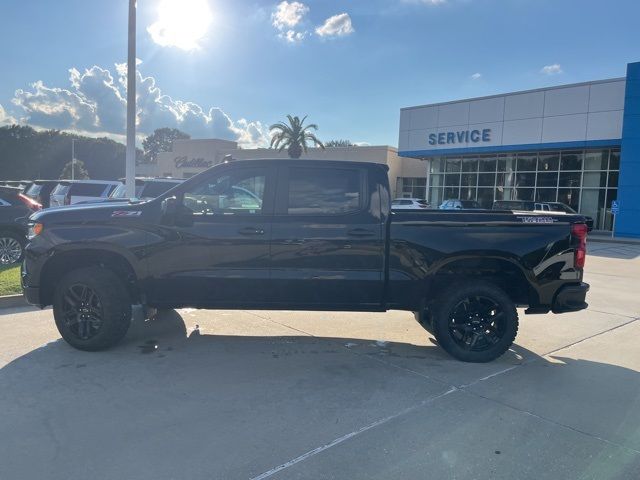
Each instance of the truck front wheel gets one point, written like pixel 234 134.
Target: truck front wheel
pixel 475 321
pixel 92 308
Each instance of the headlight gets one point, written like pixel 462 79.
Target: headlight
pixel 35 229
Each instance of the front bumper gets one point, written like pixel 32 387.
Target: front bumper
pixel 31 293
pixel 571 298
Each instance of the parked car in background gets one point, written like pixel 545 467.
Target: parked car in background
pixel 409 204
pixel 15 209
pixel 40 191
pixel 21 184
pixel 147 188
pixel 458 204
pixel 553 208
pixel 69 192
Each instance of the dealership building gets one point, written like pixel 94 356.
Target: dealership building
pixel 577 144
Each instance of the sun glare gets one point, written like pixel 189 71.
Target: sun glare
pixel 181 23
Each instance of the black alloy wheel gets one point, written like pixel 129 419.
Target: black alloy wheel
pixel 477 323
pixel 474 320
pixel 82 311
pixel 92 308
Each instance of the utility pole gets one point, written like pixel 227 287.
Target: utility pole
pixel 130 171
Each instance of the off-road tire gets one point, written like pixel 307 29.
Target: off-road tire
pixel 114 304
pixel 446 326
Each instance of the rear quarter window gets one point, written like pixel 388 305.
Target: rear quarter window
pixel 34 190
pixel 61 189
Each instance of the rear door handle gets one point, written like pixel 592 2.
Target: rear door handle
pixel 360 232
pixel 251 231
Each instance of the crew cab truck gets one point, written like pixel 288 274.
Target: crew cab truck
pixel 303 235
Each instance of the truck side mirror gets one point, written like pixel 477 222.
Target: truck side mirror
pixel 174 213
pixel 169 207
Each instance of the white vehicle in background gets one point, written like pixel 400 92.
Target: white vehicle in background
pixel 69 192
pixel 409 204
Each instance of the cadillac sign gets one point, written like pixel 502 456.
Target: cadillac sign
pixel 186 162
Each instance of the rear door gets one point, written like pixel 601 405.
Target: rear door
pixel 327 247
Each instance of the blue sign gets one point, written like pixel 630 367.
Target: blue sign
pixel 460 136
pixel 615 207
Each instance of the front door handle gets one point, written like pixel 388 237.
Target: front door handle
pixel 251 231
pixel 360 232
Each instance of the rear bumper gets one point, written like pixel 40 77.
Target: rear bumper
pixel 571 298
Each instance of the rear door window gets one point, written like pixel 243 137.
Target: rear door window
pixel 324 191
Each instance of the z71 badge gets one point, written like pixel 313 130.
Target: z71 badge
pixel 537 219
pixel 126 213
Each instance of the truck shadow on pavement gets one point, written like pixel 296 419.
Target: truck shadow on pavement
pixel 176 403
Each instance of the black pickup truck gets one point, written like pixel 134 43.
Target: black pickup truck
pixel 305 235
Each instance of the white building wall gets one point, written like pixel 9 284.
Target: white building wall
pixel 570 113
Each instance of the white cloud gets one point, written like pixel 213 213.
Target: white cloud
pixel 288 15
pixel 181 23
pixel 476 76
pixel 286 18
pixel 336 26
pixel 5 118
pixel 554 69
pixel 95 103
pixel 292 36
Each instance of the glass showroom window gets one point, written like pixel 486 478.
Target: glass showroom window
pixel 586 180
pixel 409 187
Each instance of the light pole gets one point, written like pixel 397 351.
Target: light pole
pixel 130 171
pixel 73 158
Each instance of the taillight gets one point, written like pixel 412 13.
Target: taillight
pixel 29 202
pixel 579 231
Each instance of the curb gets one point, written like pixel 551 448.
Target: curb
pixel 13 301
pixel 619 241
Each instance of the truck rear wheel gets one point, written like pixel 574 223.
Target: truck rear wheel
pixel 92 309
pixel 475 322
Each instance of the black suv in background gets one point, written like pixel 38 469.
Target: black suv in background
pixel 40 191
pixel 15 208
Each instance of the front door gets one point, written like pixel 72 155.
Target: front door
pixel 215 250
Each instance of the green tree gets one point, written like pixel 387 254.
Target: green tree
pixel 339 143
pixel 293 136
pixel 161 140
pixel 79 170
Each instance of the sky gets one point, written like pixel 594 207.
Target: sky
pixel 230 68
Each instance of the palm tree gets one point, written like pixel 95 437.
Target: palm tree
pixel 294 136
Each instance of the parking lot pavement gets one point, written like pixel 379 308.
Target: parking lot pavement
pixel 284 395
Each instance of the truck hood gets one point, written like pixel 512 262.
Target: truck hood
pixel 84 213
